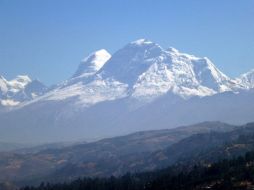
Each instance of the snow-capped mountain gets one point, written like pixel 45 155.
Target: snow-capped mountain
pixel 142 70
pixel 247 79
pixel 19 89
pixel 93 63
pixel 140 87
pixel 85 87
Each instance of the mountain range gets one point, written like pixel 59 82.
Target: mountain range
pixel 140 87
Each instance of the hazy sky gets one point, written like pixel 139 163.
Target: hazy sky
pixel 46 39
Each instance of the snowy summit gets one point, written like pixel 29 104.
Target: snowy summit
pixel 141 70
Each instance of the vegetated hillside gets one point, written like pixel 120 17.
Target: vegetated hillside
pixel 144 151
pixel 205 148
pixel 114 156
pixel 234 174
pixel 202 148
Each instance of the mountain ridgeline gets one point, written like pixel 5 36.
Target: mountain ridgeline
pixel 196 150
pixel 184 147
pixel 140 87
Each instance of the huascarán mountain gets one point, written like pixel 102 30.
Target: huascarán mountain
pixel 140 87
pixel 142 69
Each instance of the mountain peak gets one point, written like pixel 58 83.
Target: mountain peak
pixel 23 78
pixel 95 54
pixel 20 81
pixel 128 63
pixel 21 88
pixel 172 49
pixel 141 42
pixel 92 63
pixel 247 79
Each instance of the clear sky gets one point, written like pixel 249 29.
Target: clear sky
pixel 46 39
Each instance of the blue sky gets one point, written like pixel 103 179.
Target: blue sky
pixel 47 39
